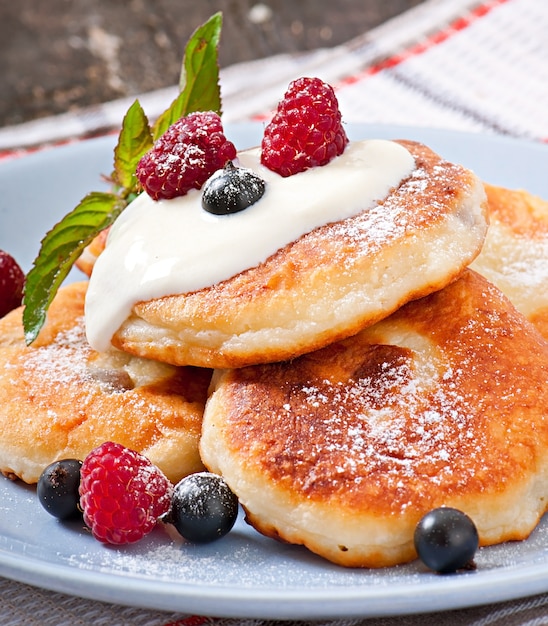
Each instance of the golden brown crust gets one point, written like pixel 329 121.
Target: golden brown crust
pixel 60 399
pixel 86 260
pixel 520 210
pixel 515 253
pixel 328 284
pixel 344 449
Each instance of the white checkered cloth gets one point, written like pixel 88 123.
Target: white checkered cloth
pixel 453 64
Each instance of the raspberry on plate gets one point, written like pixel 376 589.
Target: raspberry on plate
pixel 122 494
pixel 185 156
pixel 306 130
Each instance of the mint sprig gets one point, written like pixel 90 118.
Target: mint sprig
pixel 60 248
pixel 65 242
pixel 134 140
pixel 199 88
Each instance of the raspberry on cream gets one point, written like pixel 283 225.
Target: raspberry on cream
pixel 185 156
pixel 306 130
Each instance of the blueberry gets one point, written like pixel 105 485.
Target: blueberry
pixel 203 508
pixel 446 540
pixel 57 488
pixel 231 189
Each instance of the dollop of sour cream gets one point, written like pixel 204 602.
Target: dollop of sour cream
pixel 160 248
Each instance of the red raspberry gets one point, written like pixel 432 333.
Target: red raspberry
pixel 122 494
pixel 306 130
pixel 185 156
pixel 12 281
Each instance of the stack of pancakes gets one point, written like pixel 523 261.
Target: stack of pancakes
pixel 358 378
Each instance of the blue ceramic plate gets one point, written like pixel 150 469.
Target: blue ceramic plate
pixel 244 574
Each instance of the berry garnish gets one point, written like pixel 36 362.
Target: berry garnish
pixel 231 189
pixel 306 130
pixel 122 494
pixel 203 508
pixel 185 156
pixel 12 281
pixel 57 488
pixel 446 540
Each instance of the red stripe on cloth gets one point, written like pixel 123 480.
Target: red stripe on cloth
pixel 14 153
pixel 17 152
pixel 428 42
pixel 457 25
pixel 193 620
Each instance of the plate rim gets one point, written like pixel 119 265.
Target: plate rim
pixel 300 602
pixel 303 601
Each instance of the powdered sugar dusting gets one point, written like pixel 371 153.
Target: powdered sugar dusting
pixel 395 419
pixel 67 361
pixel 518 265
pixel 244 560
pixel 63 361
pixel 404 211
pixel 390 421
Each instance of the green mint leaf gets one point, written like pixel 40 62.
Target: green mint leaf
pixel 134 140
pixel 199 81
pixel 60 248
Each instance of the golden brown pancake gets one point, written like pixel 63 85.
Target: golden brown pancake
pixel 345 449
pixel 86 260
pixel 327 285
pixel 515 254
pixel 59 399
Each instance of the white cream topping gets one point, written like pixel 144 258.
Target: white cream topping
pixel 159 248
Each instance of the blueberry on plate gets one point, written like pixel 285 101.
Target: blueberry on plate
pixel 446 540
pixel 57 488
pixel 203 508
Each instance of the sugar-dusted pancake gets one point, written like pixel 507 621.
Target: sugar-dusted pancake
pixel 515 254
pixel 59 399
pixel 343 450
pixel 328 284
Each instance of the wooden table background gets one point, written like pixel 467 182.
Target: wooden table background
pixel 59 55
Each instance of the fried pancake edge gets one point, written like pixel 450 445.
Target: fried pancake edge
pixel 60 399
pixel 464 424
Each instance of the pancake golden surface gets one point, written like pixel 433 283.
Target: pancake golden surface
pixel 343 450
pixel 515 254
pixel 86 260
pixel 327 285
pixel 59 399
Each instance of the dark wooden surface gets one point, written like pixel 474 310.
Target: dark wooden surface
pixel 61 54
